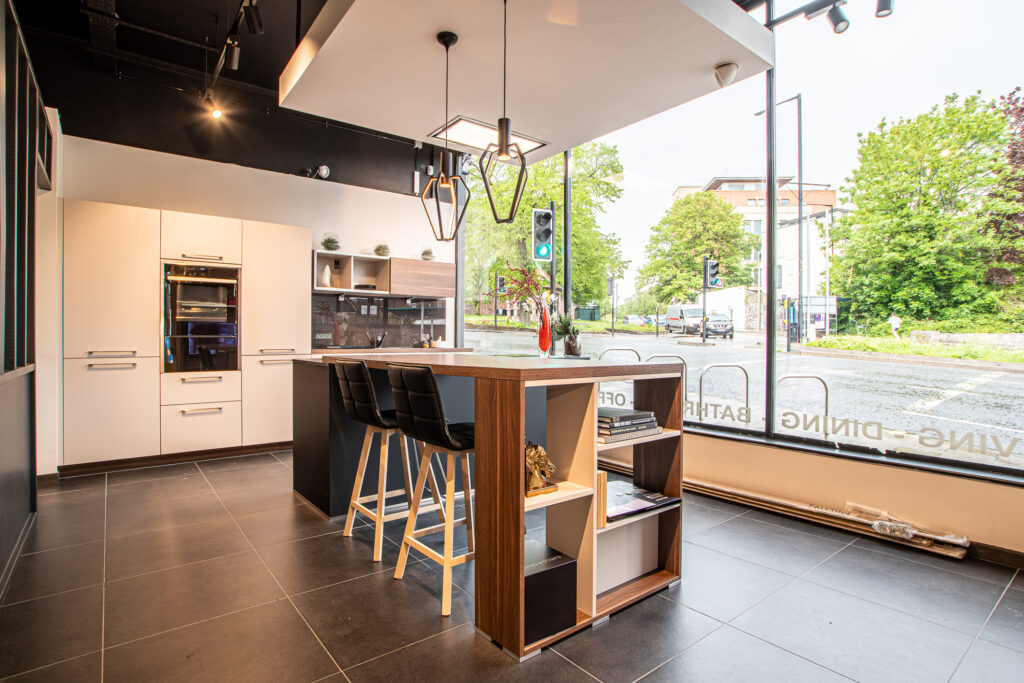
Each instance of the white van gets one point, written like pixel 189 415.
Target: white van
pixel 683 318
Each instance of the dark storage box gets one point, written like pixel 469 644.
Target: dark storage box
pixel 550 591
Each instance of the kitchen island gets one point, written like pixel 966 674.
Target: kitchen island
pixel 553 402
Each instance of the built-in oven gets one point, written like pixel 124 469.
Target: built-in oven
pixel 200 317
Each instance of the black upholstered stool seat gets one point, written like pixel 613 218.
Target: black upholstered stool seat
pixel 360 402
pixel 420 414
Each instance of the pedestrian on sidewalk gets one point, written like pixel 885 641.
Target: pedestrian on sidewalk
pixel 894 322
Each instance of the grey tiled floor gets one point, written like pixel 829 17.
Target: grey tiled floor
pixel 216 571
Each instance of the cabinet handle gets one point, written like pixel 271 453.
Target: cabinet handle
pixel 111 366
pixel 203 411
pixel 202 257
pixel 275 362
pixel 111 354
pixel 278 351
pixel 197 380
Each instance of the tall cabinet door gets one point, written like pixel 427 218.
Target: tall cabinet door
pixel 195 237
pixel 276 297
pixel 111 280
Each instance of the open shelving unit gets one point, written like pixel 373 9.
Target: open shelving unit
pixel 629 559
pixel 350 270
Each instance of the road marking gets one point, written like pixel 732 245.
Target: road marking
pixel 946 394
pixel 969 422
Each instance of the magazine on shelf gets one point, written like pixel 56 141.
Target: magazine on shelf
pixel 607 414
pixel 613 438
pixel 625 423
pixel 625 499
pixel 625 429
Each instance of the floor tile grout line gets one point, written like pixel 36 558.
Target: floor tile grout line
pixel 408 645
pixel 62 547
pixel 274 577
pixel 977 635
pixel 193 623
pixel 103 590
pixel 552 649
pixel 721 625
pixel 51 595
pixel 179 566
pixel 47 666
pixel 931 566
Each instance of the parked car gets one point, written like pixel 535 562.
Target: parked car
pixel 660 319
pixel 680 318
pixel 634 320
pixel 720 325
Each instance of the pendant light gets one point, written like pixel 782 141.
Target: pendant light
pixel 506 151
pixel 448 179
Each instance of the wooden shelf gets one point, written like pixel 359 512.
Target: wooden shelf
pixel 666 433
pixel 634 590
pixel 582 621
pixel 626 521
pixel 341 290
pixel 567 490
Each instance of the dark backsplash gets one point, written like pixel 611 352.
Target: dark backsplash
pixel 351 321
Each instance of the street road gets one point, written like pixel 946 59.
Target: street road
pixel 958 413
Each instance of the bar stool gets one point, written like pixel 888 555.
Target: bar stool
pixel 360 403
pixel 420 415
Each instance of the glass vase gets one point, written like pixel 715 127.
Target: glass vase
pixel 544 333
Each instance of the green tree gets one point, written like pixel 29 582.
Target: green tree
pixel 700 224
pixel 925 191
pixel 595 253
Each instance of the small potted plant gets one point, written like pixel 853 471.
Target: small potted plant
pixel 330 242
pixel 564 329
pixel 427 254
pixel 382 249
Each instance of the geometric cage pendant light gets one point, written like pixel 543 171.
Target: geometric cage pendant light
pixel 506 151
pixel 446 183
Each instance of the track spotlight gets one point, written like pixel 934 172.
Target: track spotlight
pixel 253 18
pixel 233 53
pixel 884 8
pixel 837 17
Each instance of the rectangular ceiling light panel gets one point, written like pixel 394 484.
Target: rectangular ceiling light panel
pixel 476 134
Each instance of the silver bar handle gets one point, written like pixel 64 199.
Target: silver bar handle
pixel 203 411
pixel 199 380
pixel 278 361
pixel 202 257
pixel 277 351
pixel 112 366
pixel 111 354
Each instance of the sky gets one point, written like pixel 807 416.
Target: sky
pixel 899 66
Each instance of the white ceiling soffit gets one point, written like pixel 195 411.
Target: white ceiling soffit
pixel 578 69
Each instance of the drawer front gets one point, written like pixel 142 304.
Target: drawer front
pixel 266 399
pixel 200 426
pixel 111 409
pixel 200 387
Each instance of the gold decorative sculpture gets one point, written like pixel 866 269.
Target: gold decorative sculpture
pixel 538 466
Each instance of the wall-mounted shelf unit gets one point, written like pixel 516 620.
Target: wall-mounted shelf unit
pixel 347 271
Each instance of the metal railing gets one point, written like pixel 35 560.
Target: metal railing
pixel 621 348
pixel 746 384
pixel 685 370
pixel 824 385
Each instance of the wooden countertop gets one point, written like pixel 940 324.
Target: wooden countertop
pixel 518 368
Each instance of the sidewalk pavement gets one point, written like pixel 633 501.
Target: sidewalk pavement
pixel 966 363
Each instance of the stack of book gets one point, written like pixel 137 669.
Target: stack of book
pixel 622 424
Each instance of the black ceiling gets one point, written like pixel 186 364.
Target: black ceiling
pixel 263 57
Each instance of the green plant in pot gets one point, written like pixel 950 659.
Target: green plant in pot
pixel 565 330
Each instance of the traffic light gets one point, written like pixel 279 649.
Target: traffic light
pixel 711 274
pixel 501 284
pixel 542 233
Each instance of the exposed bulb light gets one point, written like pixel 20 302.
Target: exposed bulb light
pixel 211 105
pixel 884 8
pixel 837 17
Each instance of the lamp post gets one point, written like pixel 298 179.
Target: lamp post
pixel 800 209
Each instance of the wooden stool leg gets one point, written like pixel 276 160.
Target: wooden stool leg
pixel 467 488
pixel 405 467
pixel 414 508
pixel 449 536
pixel 382 489
pixel 350 518
pixel 434 488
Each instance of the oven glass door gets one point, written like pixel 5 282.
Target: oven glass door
pixel 200 318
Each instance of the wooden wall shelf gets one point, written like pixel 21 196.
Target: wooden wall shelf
pixel 390 276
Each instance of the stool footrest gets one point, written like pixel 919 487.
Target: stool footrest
pixel 438 557
pixel 436 529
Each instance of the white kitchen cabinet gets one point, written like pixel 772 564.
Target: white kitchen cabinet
pixel 200 387
pixel 200 426
pixel 195 237
pixel 266 399
pixel 276 300
pixel 111 409
pixel 112 280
